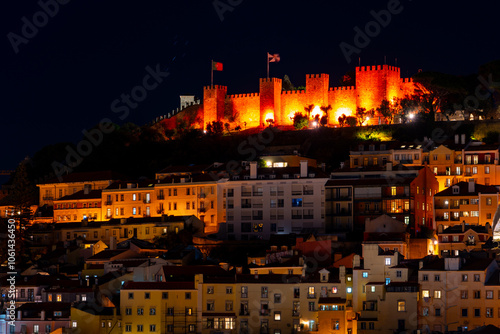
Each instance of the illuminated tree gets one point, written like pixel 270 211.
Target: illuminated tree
pixel 324 119
pixel 300 121
pixel 362 115
pixel 308 109
pixel 387 111
pixel 351 121
pixel 342 120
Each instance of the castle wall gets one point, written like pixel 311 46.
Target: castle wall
pixel 213 103
pixel 317 89
pixel 407 87
pixel 244 108
pixel 343 101
pixel 291 102
pixel 270 99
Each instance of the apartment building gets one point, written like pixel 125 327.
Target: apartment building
pixel 462 238
pixel 128 199
pixel 458 294
pixel 356 194
pixel 71 183
pixel 84 205
pixel 465 202
pixel 262 201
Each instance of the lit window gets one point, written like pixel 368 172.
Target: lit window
pixel 387 261
pixel 437 294
pixel 277 316
pixel 349 290
pixel 334 289
pixel 401 306
pixel 365 274
pixel 425 294
pixel 373 288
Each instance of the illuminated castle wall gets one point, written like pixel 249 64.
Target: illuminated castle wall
pixel 373 84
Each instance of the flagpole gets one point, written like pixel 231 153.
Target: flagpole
pixel 268 65
pixel 212 74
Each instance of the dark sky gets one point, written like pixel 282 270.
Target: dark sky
pixel 64 78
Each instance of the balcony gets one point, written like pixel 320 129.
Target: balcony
pixel 203 195
pixel 296 216
pixel 264 312
pixel 308 192
pixel 108 202
pixel 244 312
pixel 296 192
pixel 257 193
pixel 246 193
pixel 257 217
pixel 308 216
pixel 160 211
pixel 160 197
pixel 295 314
pixel 246 206
pixel 48 198
pixel 311 295
pixel 258 205
pixel 202 210
pixel 146 200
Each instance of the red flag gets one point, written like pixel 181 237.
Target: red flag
pixel 216 66
pixel 273 58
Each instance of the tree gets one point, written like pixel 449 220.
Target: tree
pixel 270 122
pixel 351 121
pixel 227 127
pixel 300 121
pixel 324 119
pixel 308 109
pixel 342 120
pixel 215 128
pixel 387 111
pixel 362 115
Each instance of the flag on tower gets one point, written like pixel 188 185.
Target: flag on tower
pixel 216 66
pixel 273 58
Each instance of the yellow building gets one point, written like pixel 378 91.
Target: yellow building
pixel 458 295
pixel 128 199
pixel 72 183
pixel 93 318
pixel 465 202
pixel 161 307
pixel 82 205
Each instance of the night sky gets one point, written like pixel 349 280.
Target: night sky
pixel 64 78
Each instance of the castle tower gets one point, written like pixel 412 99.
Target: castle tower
pixel 270 100
pixel 377 83
pixel 213 103
pixel 317 89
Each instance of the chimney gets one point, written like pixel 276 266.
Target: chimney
pixel 129 185
pixel 87 188
pixel 112 243
pixel 463 226
pixel 253 170
pixel 456 139
pixel 388 166
pixel 420 264
pixel 471 186
pixel 463 138
pixel 303 168
pixel 356 261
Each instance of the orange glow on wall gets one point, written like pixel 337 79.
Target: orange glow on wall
pixel 342 111
pixel 316 111
pixel 269 115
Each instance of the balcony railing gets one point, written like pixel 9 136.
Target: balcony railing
pixel 296 216
pixel 311 295
pixel 160 197
pixel 308 192
pixel 257 193
pixel 246 193
pixel 203 195
pixel 246 206
pixel 146 200
pixel 244 312
pixel 202 209
pixel 108 202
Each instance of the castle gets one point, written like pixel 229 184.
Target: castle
pixel 373 84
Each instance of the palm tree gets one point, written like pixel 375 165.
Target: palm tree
pixel 324 118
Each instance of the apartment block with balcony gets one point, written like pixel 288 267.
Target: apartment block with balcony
pixel 357 194
pixel 458 294
pixel 371 153
pixel 128 199
pixel 462 237
pixel 262 201
pixel 69 184
pixel 466 202
pixel 84 205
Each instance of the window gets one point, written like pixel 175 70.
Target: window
pixel 365 274
pixel 229 305
pixel 477 312
pixel 277 298
pixel 210 290
pixel 210 305
pixel 311 306
pixel 387 261
pixel 464 294
pixel 373 288
pixel 425 294
pixel 363 325
pixel 464 312
pixel 437 312
pixel 128 311
pixel 277 315
pixel 371 325
pixel 188 295
pixel 229 290
pixel 334 289
pixel 130 295
pixel 128 328
pixel 425 311
pixel 152 311
pixel 140 328
pixel 189 311
pixel 244 292
pixel 58 297
pixel 489 312
pixel 398 273
pixel 465 278
pixel 152 328
pixel 170 311
pixel 147 295
pixel 310 292
pixel 437 278
pixel 387 280
pixel 140 311
pixel 164 295
pixel 477 278
pixel 263 292
pixel 170 328
pixel 401 306
pixel 425 277
pixel 437 294
pixel 489 294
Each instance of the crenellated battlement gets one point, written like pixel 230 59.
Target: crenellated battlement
pixel 312 76
pixel 277 80
pixel 290 92
pixel 377 68
pixel 215 87
pixel 407 80
pixel 343 88
pixel 238 96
